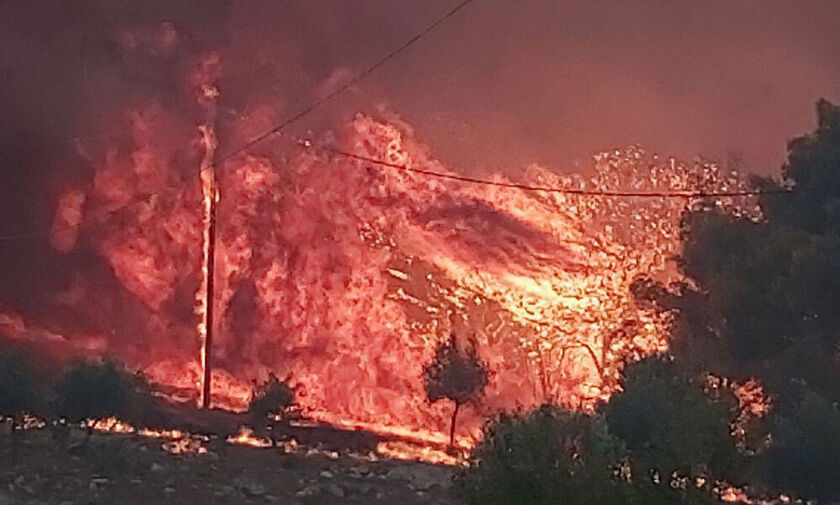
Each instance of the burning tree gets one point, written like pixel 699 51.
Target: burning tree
pixel 271 400
pixel 457 374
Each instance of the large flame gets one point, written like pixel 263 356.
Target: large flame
pixel 344 275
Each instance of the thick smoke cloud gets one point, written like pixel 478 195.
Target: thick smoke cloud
pixel 500 86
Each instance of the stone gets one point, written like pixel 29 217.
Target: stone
pixel 308 491
pixel 251 489
pixel 336 490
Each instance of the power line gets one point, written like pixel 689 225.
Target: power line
pixel 348 84
pixel 303 112
pixel 551 189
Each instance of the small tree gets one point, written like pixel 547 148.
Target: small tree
pixel 272 399
pixel 94 390
pixel 456 374
pixel 19 393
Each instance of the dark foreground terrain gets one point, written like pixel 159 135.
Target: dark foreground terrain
pixel 117 469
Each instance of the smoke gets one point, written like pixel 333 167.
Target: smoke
pixel 343 275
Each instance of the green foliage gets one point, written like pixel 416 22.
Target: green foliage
pixel 768 290
pixel 20 386
pixel 553 456
pixel 763 304
pixel 806 455
pixel 549 456
pixel 95 390
pixel 670 425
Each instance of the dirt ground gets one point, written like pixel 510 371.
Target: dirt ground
pixel 131 470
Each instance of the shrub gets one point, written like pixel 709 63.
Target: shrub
pixel 91 390
pixel 554 456
pixel 20 392
pixel 272 399
pixel 669 424
pixel 548 456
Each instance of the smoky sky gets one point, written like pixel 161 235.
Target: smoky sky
pixel 499 86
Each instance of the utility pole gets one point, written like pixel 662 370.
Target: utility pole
pixel 210 193
pixel 210 197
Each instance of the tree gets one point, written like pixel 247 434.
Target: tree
pixel 92 390
pixel 761 303
pixel 456 374
pixel 805 457
pixel 556 456
pixel 273 398
pixel 670 426
pixel 765 292
pixel 20 393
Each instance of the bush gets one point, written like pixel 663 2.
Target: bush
pixel 670 425
pixel 21 392
pixel 94 390
pixel 272 399
pixel 20 388
pixel 553 456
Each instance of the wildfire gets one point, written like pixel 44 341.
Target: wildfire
pixel 411 452
pixel 344 276
pixel 247 437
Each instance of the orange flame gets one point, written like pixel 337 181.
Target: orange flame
pixel 344 276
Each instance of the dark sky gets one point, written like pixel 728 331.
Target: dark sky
pixel 502 83
pixel 507 83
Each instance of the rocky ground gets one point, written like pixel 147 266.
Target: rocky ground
pixel 131 470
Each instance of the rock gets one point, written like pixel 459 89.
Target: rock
pixel 326 474
pixel 169 490
pixel 270 498
pixel 308 491
pixel 336 490
pixel 157 468
pixel 251 489
pixel 226 491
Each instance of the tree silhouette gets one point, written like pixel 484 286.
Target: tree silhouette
pixel 271 399
pixel 92 390
pixel 20 393
pixel 761 303
pixel 455 374
pixel 556 456
pixel 670 426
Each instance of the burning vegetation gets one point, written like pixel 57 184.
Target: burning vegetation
pixel 621 349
